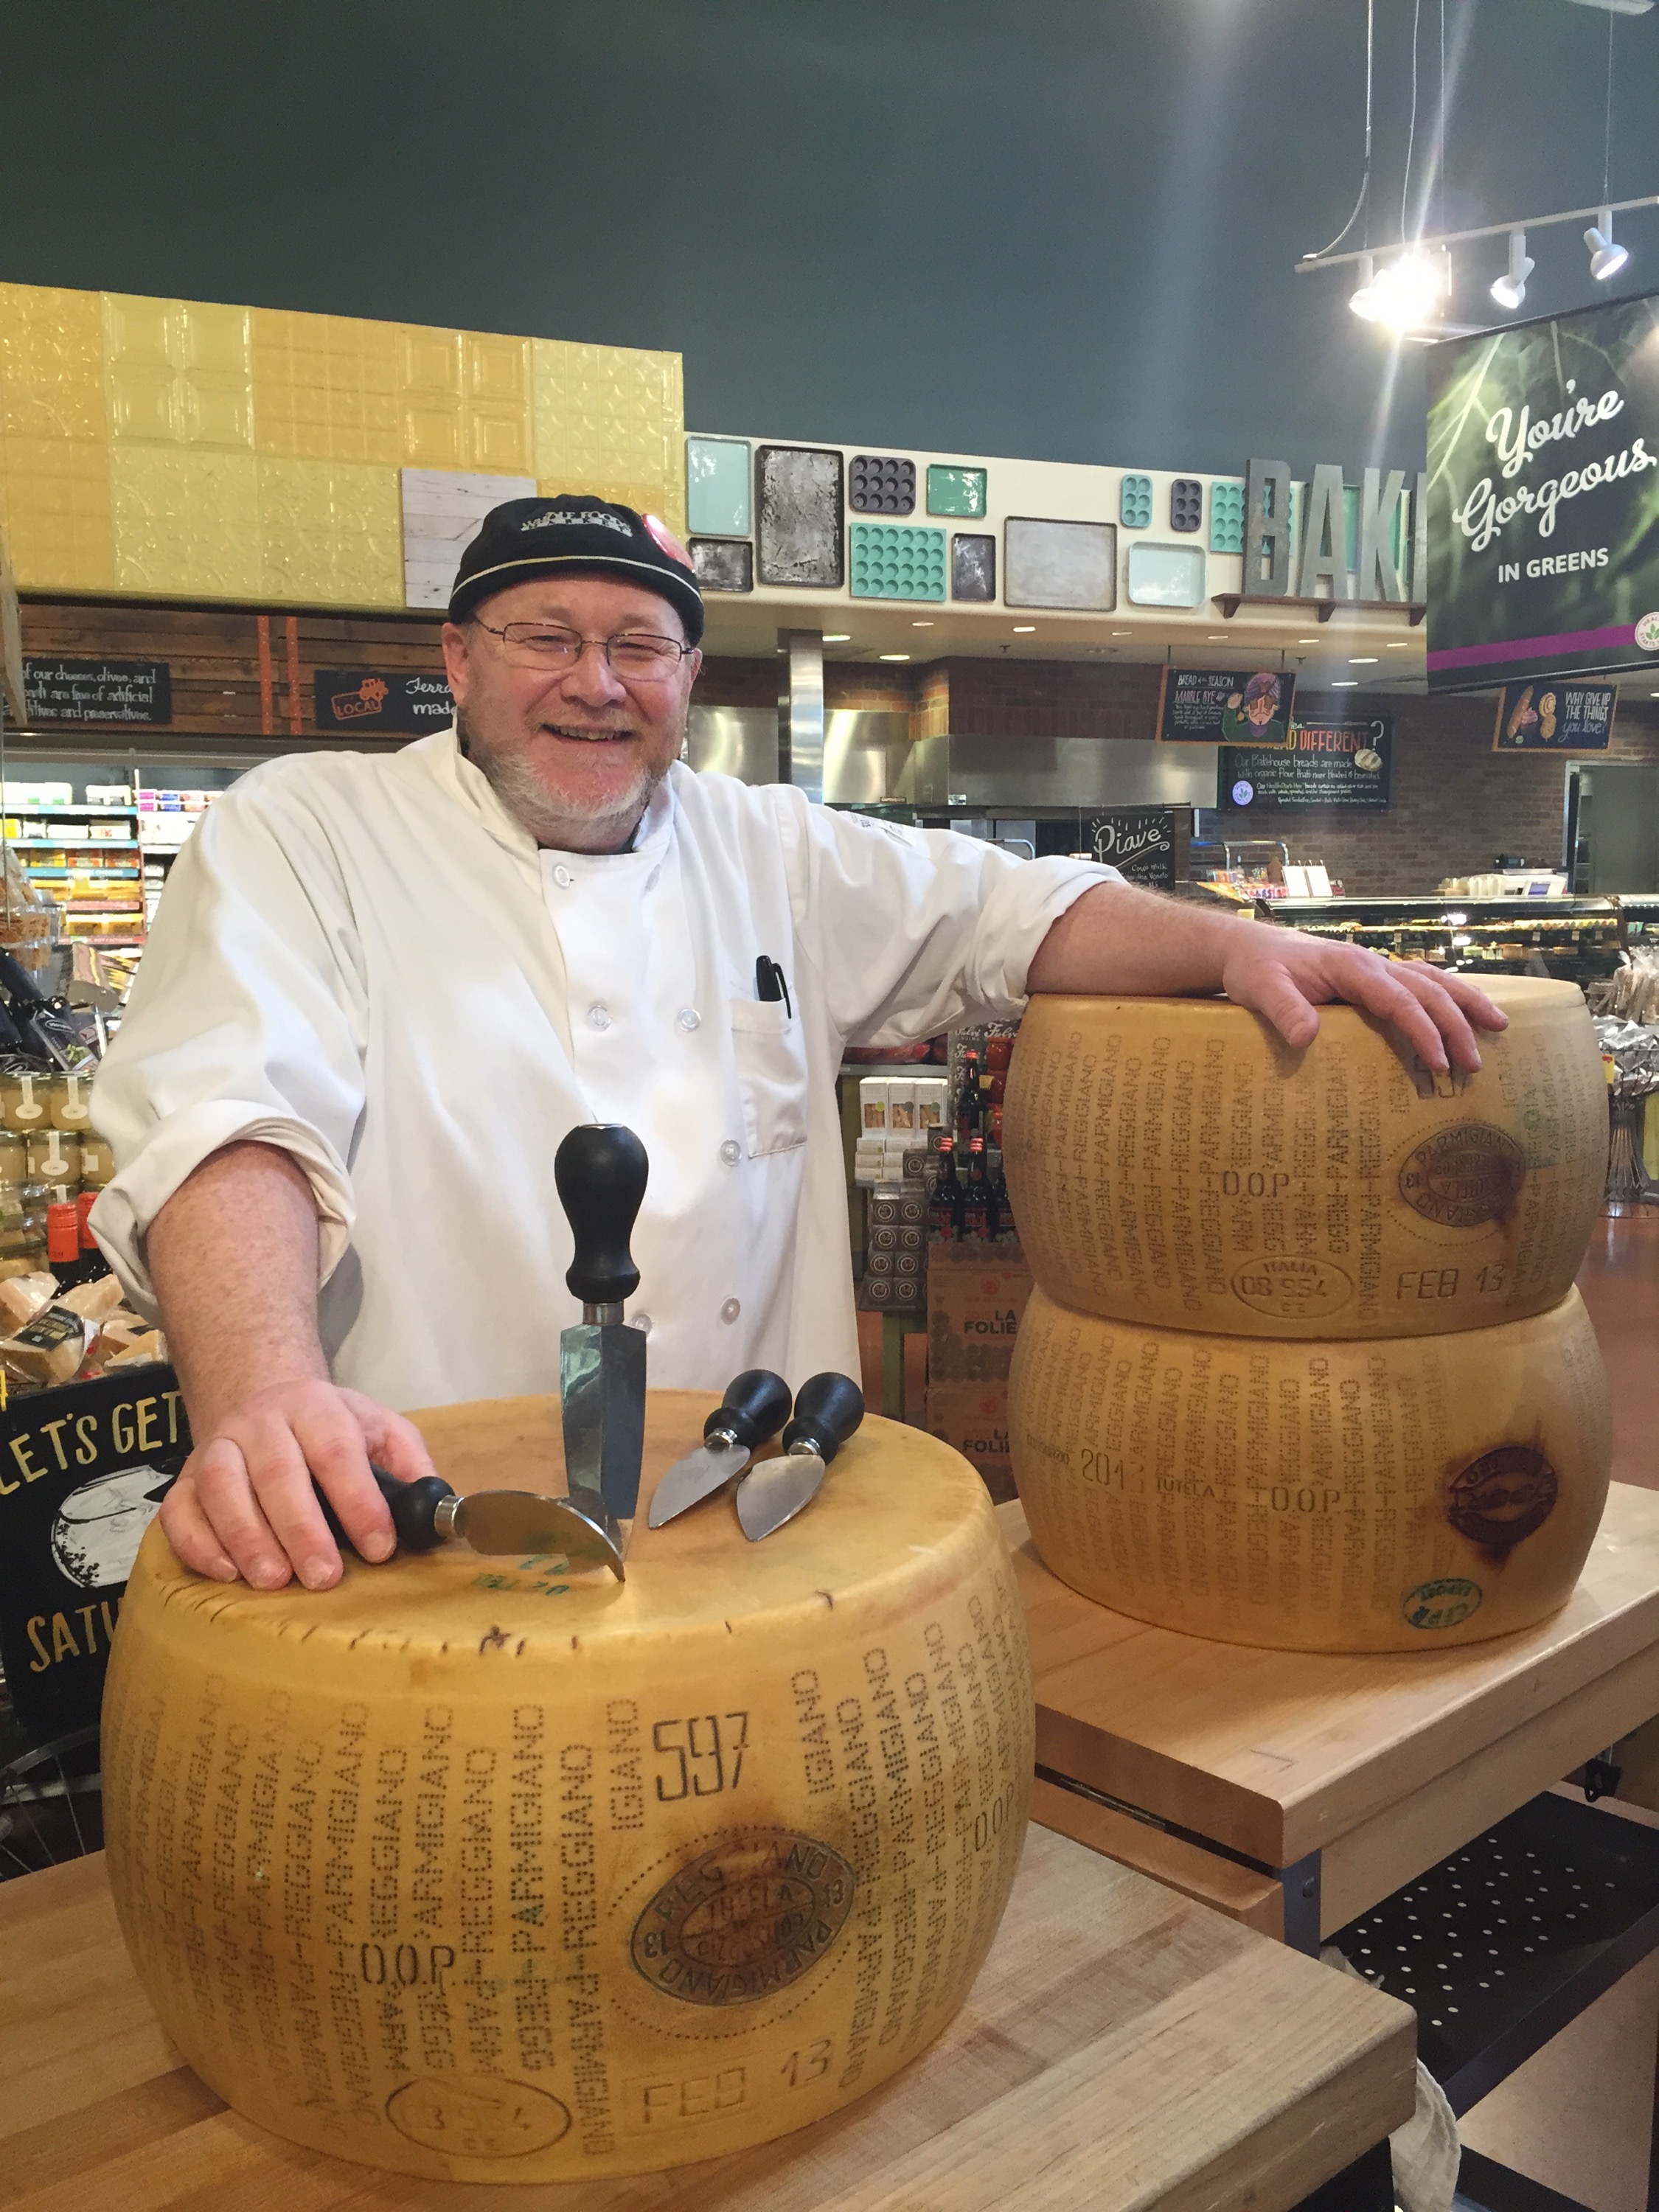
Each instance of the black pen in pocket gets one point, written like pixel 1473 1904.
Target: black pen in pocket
pixel 769 986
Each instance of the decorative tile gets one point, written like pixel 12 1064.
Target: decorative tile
pixel 1134 502
pixel 499 394
pixel 973 566
pixel 724 564
pixel 179 371
pixel 330 534
pixel 611 420
pixel 956 491
pixel 187 522
pixel 718 487
pixel 52 363
pixel 325 388
pixel 893 562
pixel 1059 564
pixel 1227 515
pixel 881 484
pixel 1186 503
pixel 55 496
pixel 798 495
pixel 1165 575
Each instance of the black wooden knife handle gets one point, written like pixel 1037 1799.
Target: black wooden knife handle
pixel 755 1406
pixel 413 1505
pixel 599 1172
pixel 828 1408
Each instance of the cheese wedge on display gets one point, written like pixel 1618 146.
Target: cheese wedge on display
pixel 1398 1495
pixel 1170 1161
pixel 481 1870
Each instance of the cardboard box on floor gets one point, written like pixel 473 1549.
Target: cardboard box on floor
pixel 976 1295
pixel 973 1418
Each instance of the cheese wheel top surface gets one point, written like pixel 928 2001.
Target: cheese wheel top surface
pixel 1172 1161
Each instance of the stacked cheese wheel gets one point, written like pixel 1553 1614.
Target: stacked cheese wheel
pixel 480 1871
pixel 1305 1367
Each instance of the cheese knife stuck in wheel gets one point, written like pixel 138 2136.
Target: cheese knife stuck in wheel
pixel 599 1171
pixel 828 1408
pixel 755 1406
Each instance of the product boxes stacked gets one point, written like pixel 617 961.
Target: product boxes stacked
pixel 895 1249
pixel 896 1115
pixel 976 1295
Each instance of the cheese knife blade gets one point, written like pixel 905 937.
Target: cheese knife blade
pixel 519 1523
pixel 600 1170
pixel 755 1406
pixel 828 1409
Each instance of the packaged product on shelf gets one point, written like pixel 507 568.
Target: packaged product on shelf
pixel 25 1101
pixel 72 1097
pixel 97 1162
pixel 872 1104
pixel 901 1107
pixel 14 1157
pixel 52 1156
pixel 22 1296
pixel 46 1351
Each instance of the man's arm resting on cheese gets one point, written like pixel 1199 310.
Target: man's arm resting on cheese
pixel 233 1255
pixel 1117 939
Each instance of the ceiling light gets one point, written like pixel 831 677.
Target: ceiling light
pixel 1362 660
pixel 838 637
pixel 1404 296
pixel 1023 630
pixel 1307 640
pixel 1122 633
pixel 921 625
pixel 892 656
pixel 1346 683
pixel 1510 289
pixel 1607 259
pixel 1397 645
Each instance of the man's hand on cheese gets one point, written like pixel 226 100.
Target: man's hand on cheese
pixel 1116 938
pixel 234 1257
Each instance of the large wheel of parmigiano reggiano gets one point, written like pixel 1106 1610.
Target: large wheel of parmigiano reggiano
pixel 480 1871
pixel 1170 1161
pixel 1399 1495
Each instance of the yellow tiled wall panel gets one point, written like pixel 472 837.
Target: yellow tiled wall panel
pixel 179 448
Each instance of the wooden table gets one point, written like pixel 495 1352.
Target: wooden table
pixel 1295 1790
pixel 1121 2049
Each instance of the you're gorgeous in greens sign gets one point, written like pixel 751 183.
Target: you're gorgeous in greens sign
pixel 1543 500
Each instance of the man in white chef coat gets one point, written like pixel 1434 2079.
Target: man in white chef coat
pixel 381 988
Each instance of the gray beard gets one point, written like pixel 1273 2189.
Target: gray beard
pixel 516 784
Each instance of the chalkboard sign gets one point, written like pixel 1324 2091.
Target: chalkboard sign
pixel 1225 706
pixel 1138 842
pixel 59 691
pixel 82 1471
pixel 371 700
pixel 1554 714
pixel 1343 765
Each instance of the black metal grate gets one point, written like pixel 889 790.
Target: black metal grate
pixel 1504 1942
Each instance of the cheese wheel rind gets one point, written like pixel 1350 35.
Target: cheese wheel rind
pixel 1398 1495
pixel 474 1870
pixel 1171 1161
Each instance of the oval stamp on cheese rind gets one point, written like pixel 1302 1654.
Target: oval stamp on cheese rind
pixel 1442 1604
pixel 1464 1175
pixel 1292 1289
pixel 744 1918
pixel 476 2115
pixel 1504 1497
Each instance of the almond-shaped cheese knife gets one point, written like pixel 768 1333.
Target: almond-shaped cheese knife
pixel 599 1171
pixel 519 1523
pixel 755 1406
pixel 828 1409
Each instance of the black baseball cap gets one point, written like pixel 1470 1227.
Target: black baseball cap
pixel 526 537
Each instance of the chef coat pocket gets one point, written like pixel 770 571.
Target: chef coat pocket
pixel 771 1057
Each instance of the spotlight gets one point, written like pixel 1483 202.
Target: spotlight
pixel 1510 289
pixel 1405 296
pixel 1607 259
pixel 1364 301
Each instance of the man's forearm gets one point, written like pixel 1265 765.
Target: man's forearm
pixel 1116 938
pixel 233 1255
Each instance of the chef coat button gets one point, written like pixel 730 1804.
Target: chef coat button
pixel 731 1151
pixel 598 1017
pixel 689 1018
pixel 562 877
pixel 641 1322
pixel 731 1310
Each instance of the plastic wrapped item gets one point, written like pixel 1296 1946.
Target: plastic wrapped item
pixel 1633 1049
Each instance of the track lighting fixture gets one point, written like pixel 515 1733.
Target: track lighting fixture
pixel 1607 259
pixel 1510 289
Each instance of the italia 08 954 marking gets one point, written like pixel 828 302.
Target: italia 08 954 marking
pixel 700 1756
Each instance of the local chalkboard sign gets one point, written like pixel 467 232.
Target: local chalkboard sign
pixel 370 698
pixel 1225 706
pixel 60 691
pixel 83 1470
pixel 1554 714
pixel 1341 765
pixel 1138 842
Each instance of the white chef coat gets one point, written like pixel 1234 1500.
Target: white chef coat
pixel 367 961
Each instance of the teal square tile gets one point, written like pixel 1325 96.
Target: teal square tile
pixel 956 491
pixel 1134 502
pixel 890 561
pixel 718 496
pixel 1226 516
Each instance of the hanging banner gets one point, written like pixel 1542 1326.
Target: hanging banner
pixel 370 700
pixel 1225 706
pixel 1553 714
pixel 83 1470
pixel 1543 498
pixel 1342 764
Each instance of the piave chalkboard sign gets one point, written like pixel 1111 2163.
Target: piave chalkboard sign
pixel 1342 764
pixel 1138 842
pixel 371 700
pixel 62 690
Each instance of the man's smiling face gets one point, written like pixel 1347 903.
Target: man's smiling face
pixel 574 753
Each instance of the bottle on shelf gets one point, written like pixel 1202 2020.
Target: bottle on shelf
pixel 945 1202
pixel 969 1108
pixel 977 1202
pixel 94 1265
pixel 63 1235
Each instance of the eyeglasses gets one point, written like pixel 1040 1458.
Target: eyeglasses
pixel 638 655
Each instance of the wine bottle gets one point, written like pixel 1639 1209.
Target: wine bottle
pixel 947 1191
pixel 976 1206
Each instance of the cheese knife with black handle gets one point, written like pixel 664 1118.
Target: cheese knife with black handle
pixel 517 1523
pixel 755 1406
pixel 828 1409
pixel 599 1171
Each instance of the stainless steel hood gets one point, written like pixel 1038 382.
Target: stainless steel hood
pixel 1026 772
